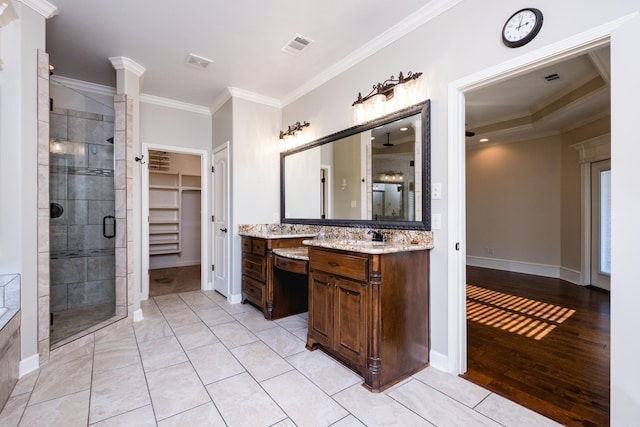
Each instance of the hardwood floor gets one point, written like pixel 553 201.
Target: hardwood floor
pixel 564 375
pixel 164 281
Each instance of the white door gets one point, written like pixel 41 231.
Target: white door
pixel 601 224
pixel 221 232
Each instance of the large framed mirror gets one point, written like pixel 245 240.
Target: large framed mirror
pixel 374 175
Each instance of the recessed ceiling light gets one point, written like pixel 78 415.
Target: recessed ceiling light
pixel 404 129
pixel 484 140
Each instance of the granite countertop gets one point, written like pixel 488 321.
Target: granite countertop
pixel 277 231
pixel 369 247
pixel 301 253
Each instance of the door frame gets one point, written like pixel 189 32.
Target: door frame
pixel 205 282
pixel 456 360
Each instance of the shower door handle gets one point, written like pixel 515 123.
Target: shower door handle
pixel 104 226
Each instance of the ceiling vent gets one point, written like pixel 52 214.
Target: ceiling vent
pixel 198 61
pixel 552 77
pixel 297 44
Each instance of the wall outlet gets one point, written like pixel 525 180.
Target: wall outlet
pixel 488 250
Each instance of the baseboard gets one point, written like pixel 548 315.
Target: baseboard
pixel 137 315
pixel 29 364
pixel 544 270
pixel 234 298
pixel 438 361
pixel 208 286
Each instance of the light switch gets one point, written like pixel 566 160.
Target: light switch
pixel 436 191
pixel 436 222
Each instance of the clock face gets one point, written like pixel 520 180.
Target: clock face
pixel 522 27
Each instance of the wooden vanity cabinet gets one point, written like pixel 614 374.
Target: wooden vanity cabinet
pixel 371 312
pixel 257 272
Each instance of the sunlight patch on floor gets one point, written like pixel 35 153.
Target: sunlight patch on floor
pixel 523 316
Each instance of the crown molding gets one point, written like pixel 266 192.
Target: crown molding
pixel 170 103
pixel 401 29
pixel 43 7
pixel 82 85
pixel 124 63
pixel 220 100
pixel 254 97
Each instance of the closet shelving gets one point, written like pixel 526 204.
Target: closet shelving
pixel 165 204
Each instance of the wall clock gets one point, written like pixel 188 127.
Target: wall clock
pixel 522 27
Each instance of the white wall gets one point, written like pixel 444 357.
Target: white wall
pixel 445 54
pixel 18 163
pixel 255 173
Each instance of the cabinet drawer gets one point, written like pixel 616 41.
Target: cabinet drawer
pixel 293 265
pixel 351 266
pixel 254 266
pixel 246 244
pixel 259 247
pixel 252 290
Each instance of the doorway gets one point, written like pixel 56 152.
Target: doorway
pixel 175 254
pixel 601 224
pixel 221 221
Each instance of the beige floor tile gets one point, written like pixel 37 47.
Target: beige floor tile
pixel 161 353
pixel 115 333
pixel 254 321
pixel 235 308
pixel 377 409
pixel 437 407
pixel 195 335
pixel 214 316
pixel 349 421
pixel 13 410
pixel 26 383
pixel 115 354
pixel 282 341
pixel 511 414
pixel 215 296
pixel 152 329
pixel 66 411
pixel 325 372
pixel 292 323
pixel 304 403
pixel 453 386
pixel 118 391
pixel 260 361
pixel 214 362
pixel 60 379
pixel 242 402
pixel 181 317
pixel 204 415
pixel 285 423
pixel 141 417
pixel 233 334
pixel 301 333
pixel 175 389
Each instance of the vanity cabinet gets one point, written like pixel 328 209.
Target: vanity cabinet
pixel 371 311
pixel 258 275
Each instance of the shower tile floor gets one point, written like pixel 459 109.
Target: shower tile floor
pixel 197 360
pixel 69 322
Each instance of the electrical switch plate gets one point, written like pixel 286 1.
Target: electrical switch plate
pixel 436 222
pixel 436 191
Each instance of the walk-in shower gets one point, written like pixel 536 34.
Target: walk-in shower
pixel 82 205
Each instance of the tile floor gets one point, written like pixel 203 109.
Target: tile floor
pixel 196 360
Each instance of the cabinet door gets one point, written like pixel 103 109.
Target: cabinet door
pixel 321 308
pixel 350 319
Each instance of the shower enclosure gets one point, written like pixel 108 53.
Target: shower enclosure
pixel 82 212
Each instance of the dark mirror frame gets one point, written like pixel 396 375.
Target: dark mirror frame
pixel 425 224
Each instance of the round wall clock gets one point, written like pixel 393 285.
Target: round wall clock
pixel 521 27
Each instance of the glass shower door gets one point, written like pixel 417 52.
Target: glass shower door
pixel 82 214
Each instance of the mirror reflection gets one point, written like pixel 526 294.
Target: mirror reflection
pixel 375 175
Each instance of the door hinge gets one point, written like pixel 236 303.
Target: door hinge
pixel 213 267
pixel 213 169
pixel 213 218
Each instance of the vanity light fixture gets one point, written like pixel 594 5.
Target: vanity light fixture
pixel 381 93
pixel 293 129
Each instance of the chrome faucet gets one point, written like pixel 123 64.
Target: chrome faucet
pixel 377 236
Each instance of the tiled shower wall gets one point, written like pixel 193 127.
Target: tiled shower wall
pixel 81 182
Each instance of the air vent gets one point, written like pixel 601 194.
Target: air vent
pixel 198 61
pixel 297 44
pixel 552 77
